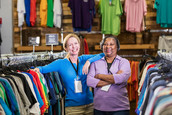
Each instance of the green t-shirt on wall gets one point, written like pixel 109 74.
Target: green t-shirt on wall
pixel 110 16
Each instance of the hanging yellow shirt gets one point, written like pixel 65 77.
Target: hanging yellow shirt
pixel 43 12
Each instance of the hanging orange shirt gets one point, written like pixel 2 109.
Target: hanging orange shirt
pixel 129 86
pixel 130 78
pixel 137 81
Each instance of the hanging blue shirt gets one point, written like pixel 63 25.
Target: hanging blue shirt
pixel 10 93
pixel 5 107
pixel 53 97
pixel 27 14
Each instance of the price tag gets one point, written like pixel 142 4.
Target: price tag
pixel 51 39
pixel 34 41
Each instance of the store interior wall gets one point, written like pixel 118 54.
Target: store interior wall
pixel 6 26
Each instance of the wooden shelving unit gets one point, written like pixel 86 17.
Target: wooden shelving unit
pixel 131 46
pixel 39 48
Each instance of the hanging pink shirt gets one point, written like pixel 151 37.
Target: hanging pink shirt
pixel 135 11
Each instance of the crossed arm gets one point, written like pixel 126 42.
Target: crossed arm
pixel 96 79
pixel 105 79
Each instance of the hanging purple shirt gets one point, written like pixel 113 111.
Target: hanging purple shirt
pixel 82 13
pixel 116 98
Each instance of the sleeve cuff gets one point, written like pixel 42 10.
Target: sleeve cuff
pixel 116 78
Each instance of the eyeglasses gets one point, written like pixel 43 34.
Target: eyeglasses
pixel 108 45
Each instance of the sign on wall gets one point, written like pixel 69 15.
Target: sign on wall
pixel 51 39
pixel 34 41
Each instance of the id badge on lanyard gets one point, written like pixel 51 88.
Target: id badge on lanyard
pixel 106 87
pixel 78 85
pixel 77 82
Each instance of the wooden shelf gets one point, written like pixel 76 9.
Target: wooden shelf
pixel 39 48
pixel 132 46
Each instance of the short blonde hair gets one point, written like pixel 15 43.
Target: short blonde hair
pixel 67 37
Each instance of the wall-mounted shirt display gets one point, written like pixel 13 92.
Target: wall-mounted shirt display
pixel 32 12
pixel 57 19
pixel 82 13
pixel 27 14
pixel 135 11
pixel 21 11
pixel 43 12
pixel 111 16
pixel 164 15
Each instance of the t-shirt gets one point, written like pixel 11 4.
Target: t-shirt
pixel 135 11
pixel 82 13
pixel 57 19
pixel 32 12
pixel 111 16
pixel 164 15
pixel 50 13
pixel 27 14
pixel 21 11
pixel 43 12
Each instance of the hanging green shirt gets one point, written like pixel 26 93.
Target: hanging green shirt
pixel 50 13
pixel 111 16
pixel 44 88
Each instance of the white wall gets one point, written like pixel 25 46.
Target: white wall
pixel 6 27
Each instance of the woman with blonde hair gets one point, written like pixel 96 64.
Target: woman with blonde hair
pixel 79 99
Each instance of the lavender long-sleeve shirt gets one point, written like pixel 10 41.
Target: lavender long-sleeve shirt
pixel 116 98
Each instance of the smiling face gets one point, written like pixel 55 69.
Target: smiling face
pixel 110 47
pixel 73 46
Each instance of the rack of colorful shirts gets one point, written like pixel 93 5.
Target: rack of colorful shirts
pixel 24 91
pixel 155 86
pixel 136 64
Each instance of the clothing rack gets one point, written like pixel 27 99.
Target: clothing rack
pixel 10 59
pixel 162 30
pixel 28 87
pixel 155 75
pixel 165 55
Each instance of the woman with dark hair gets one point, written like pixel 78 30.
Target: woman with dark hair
pixel 108 76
